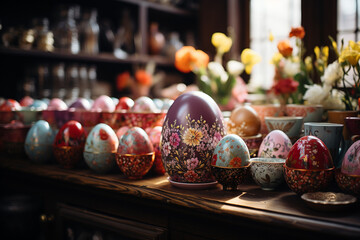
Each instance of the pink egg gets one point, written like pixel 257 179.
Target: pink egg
pixel 103 103
pixel 144 104
pixel 57 104
pixel 26 101
pixel 275 145
pixel 351 161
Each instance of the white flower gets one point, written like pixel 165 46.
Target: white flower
pixel 316 94
pixel 235 68
pixel 333 101
pixel 291 68
pixel 217 70
pixel 332 73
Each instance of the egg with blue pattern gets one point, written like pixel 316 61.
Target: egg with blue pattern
pixel 135 141
pixel 100 148
pixel 231 152
pixel 38 142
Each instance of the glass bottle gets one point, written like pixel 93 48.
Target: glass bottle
pixel 72 83
pixel 66 33
pixel 58 83
pixel 84 90
pixel 89 33
pixel 92 78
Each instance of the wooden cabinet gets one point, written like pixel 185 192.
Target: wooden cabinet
pixel 79 201
pixel 20 66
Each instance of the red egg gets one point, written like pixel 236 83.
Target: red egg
pixel 26 101
pixel 10 105
pixel 310 153
pixel 69 144
pixel 125 103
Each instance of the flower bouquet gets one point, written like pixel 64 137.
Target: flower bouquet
pixel 212 78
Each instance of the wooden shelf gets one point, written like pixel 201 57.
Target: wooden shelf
pixel 99 58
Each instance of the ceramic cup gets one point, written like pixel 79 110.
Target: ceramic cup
pixel 331 135
pixel 290 125
pixel 353 126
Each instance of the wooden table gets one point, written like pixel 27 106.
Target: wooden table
pixel 167 212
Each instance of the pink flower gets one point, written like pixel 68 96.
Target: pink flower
pixel 191 176
pixel 192 163
pixel 166 148
pixel 174 140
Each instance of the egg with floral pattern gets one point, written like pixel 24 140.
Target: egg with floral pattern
pixel 135 141
pixel 351 162
pixel 100 148
pixel 192 128
pixel 231 152
pixel 275 145
pixel 310 153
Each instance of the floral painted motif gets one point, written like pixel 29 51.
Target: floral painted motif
pixel 351 162
pixel 187 149
pixel 275 145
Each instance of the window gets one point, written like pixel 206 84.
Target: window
pixel 266 18
pixel 348 20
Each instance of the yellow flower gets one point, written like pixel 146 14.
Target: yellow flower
pixel 350 55
pixel 317 52
pixel 192 137
pixel 249 58
pixel 308 63
pixel 276 58
pixel 271 37
pixel 221 42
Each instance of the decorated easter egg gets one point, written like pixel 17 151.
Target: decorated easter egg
pixel 275 145
pixel 38 104
pixel 155 136
pixel 231 152
pixel 125 103
pixel 121 131
pixel 244 121
pixel 351 162
pixel 144 104
pixel 39 141
pixel 100 148
pixel 10 105
pixel 103 103
pixel 57 104
pixel 192 128
pixel 26 101
pixel 69 144
pixel 81 104
pixel 309 152
pixel 135 141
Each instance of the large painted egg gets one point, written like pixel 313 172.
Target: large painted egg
pixel 351 162
pixel 69 144
pixel 275 145
pixel 231 152
pixel 192 128
pixel 39 141
pixel 135 141
pixel 100 148
pixel 244 121
pixel 310 153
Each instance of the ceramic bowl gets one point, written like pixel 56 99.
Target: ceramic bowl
pixel 144 120
pixel 268 173
pixel 348 183
pixel 135 166
pixel 29 115
pixel 271 110
pixel 68 156
pixel 302 180
pixel 290 125
pixel 230 178
pixel 311 113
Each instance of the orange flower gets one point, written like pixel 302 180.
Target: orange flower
pixel 298 32
pixel 122 80
pixel 235 162
pixel 284 48
pixel 143 77
pixel 187 58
